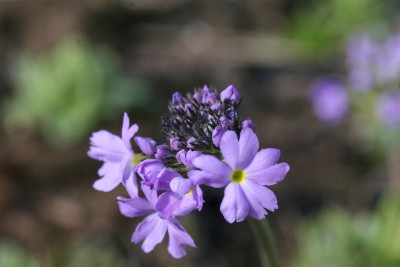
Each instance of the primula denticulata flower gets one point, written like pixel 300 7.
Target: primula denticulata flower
pixel 117 154
pixel 244 172
pixel 200 130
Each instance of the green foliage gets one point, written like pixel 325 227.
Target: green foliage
pixel 322 27
pixel 337 239
pixel 67 91
pixel 13 256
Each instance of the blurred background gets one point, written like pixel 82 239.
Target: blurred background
pixel 68 68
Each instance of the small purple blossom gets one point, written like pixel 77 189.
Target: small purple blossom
pixel 244 172
pixel 186 157
pixel 330 100
pixel 388 108
pixel 174 143
pixel 146 145
pixel 153 228
pixel 225 122
pixel 162 152
pixel 217 135
pixel 230 94
pixel 248 124
pixel 116 153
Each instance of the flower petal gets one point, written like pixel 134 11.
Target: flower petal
pixel 234 206
pixel 248 147
pixel 213 172
pixel 270 175
pixel 229 146
pixel 261 195
pixel 152 229
pixel 106 146
pixel 178 239
pixel 181 185
pixel 134 207
pixel 128 132
pixel 264 158
pixel 111 177
pixel 164 178
pixel 171 204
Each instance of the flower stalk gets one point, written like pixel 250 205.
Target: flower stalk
pixel 265 242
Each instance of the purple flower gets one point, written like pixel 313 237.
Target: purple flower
pixel 183 198
pixel 330 100
pixel 186 157
pixel 248 124
pixel 244 172
pixel 217 135
pixel 225 122
pixel 116 153
pixel 177 98
pixel 146 145
pixel 230 94
pixel 162 152
pixel 153 228
pixel 389 60
pixel 154 173
pixel 388 108
pixel 174 143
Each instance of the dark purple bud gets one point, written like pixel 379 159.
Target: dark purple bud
pixel 209 98
pixel 216 107
pixel 206 89
pixel 198 96
pixel 189 108
pixel 176 98
pixel 174 143
pixel 217 134
pixel 191 142
pixel 248 124
pixel 162 152
pixel 232 113
pixel 181 156
pixel 230 94
pixel 225 122
pixel 146 145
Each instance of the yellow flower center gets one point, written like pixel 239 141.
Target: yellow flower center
pixel 137 158
pixel 238 176
pixel 190 191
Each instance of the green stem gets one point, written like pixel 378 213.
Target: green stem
pixel 265 242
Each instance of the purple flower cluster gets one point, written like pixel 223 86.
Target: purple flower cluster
pixel 373 68
pixel 205 144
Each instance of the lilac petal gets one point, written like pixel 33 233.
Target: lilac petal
pixel 248 147
pixel 111 177
pixel 181 185
pixel 214 172
pixel 150 194
pixel 152 229
pixel 134 207
pixel 164 179
pixel 258 194
pixel 234 206
pixel 270 175
pixel 230 94
pixel 217 135
pixel 149 169
pixel 178 239
pixel 229 146
pixel 264 158
pixel 132 186
pixel 128 132
pixel 106 146
pixel 171 204
pixel 198 196
pixel 146 145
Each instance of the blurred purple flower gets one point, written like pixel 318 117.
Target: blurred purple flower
pixel 248 124
pixel 388 61
pixel 230 94
pixel 162 152
pixel 186 157
pixel 153 228
pixel 330 100
pixel 244 172
pixel 146 145
pixel 116 153
pixel 388 108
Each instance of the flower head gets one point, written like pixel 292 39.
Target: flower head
pixel 388 108
pixel 116 153
pixel 244 172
